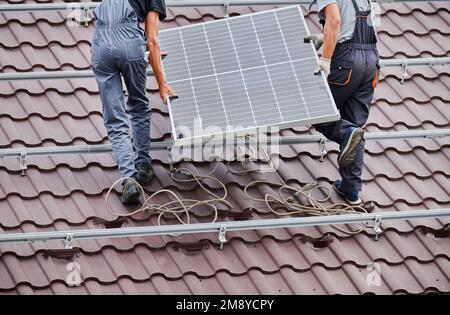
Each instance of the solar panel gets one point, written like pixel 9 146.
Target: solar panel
pixel 244 73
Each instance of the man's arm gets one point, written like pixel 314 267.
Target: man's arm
pixel 331 29
pixel 331 33
pixel 152 29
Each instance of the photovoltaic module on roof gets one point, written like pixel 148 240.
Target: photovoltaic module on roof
pixel 244 73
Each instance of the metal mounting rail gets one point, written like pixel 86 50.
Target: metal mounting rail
pixel 165 145
pixel 228 226
pixel 83 74
pixel 46 75
pixel 414 61
pixel 388 135
pixel 75 149
pixel 169 3
pixel 404 63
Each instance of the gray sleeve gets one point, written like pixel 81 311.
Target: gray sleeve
pixel 321 4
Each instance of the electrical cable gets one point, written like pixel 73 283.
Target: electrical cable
pixel 283 198
pixel 291 207
pixel 180 205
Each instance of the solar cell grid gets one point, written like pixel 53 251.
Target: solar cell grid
pixel 244 72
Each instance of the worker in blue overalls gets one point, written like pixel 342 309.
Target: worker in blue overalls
pixel 119 48
pixel 350 61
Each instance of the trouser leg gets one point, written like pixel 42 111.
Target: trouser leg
pixel 115 118
pixel 335 130
pixel 353 101
pixel 356 110
pixel 135 77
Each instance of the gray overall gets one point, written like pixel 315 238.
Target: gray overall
pixel 352 80
pixel 118 49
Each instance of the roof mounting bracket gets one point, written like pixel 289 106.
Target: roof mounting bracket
pixel 432 136
pixel 172 169
pixel 322 150
pixel 226 9
pixel 86 18
pixel 23 163
pixel 68 241
pixel 79 13
pixel 222 237
pixel 377 227
pixel 404 73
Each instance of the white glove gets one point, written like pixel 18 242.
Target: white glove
pixel 324 66
pixel 317 40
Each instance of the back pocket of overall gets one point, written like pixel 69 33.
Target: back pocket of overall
pixel 340 72
pixel 96 52
pixel 135 48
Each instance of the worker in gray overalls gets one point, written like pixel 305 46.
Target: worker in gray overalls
pixel 119 48
pixel 350 61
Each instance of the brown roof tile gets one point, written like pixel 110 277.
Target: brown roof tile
pixel 67 192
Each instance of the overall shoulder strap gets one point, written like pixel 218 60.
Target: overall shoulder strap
pixel 355 5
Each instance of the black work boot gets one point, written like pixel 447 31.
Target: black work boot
pixel 130 192
pixel 144 174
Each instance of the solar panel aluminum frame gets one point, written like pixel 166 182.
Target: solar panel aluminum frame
pixel 231 134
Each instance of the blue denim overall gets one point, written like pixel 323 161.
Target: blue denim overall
pixel 118 50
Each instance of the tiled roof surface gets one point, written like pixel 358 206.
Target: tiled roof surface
pixel 66 192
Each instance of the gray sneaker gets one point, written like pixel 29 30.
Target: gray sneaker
pixel 352 139
pixel 130 193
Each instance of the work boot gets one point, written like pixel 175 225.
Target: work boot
pixel 352 139
pixel 144 174
pixel 130 193
pixel 351 197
